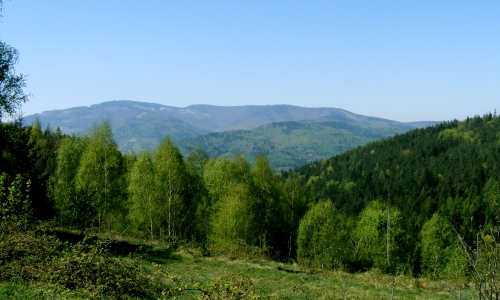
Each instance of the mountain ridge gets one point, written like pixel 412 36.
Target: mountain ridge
pixel 142 125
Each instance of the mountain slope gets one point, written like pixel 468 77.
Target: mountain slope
pixel 287 144
pixel 451 168
pixel 140 125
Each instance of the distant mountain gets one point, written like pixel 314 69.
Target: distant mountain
pixel 140 125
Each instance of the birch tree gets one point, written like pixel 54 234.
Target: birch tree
pixel 99 171
pixel 144 207
pixel 170 180
pixel 71 209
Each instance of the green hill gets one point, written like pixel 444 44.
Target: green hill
pixel 136 134
pixel 451 168
pixel 287 144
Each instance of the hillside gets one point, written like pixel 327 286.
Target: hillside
pixel 287 144
pixel 372 207
pixel 449 168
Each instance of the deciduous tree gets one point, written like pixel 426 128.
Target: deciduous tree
pixel 170 183
pixel 99 171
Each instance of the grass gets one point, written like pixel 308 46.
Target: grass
pixel 290 281
pixel 185 273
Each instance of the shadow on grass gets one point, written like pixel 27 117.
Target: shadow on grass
pixel 160 253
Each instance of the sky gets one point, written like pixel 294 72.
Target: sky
pixel 399 60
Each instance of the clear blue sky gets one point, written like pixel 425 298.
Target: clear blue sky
pixel 401 60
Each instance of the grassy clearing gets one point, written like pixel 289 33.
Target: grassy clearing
pixel 158 272
pixel 290 281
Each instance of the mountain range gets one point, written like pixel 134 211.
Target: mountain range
pixel 290 135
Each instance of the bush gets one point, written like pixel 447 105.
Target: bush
pixel 87 267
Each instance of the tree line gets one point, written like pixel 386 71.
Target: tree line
pixel 83 182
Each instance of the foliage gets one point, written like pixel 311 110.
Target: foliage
pixel 294 208
pixel 72 211
pixel 228 209
pixel 11 84
pixel 43 147
pixel 323 240
pixel 232 225
pixel 268 207
pixel 14 200
pixel 438 246
pixel 380 239
pixel 170 176
pixel 287 144
pixel 424 171
pixel 144 204
pixel 36 257
pixel 98 176
pixel 483 256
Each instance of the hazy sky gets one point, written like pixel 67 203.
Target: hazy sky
pixel 401 60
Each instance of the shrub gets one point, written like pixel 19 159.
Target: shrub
pixel 36 257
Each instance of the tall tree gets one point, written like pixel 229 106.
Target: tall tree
pixel 170 181
pixel 99 173
pixel 295 206
pixel 371 236
pixel 438 244
pixel 144 206
pixel 71 209
pixel 43 155
pixel 322 237
pixel 232 222
pixel 230 203
pixel 268 209
pixel 195 165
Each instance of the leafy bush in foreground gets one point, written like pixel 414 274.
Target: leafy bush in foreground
pixel 34 257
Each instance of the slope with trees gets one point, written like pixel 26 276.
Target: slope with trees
pixel 449 168
pixel 288 144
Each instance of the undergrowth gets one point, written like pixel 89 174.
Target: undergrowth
pixel 34 257
pixel 37 265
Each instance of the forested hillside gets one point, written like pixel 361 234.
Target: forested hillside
pixel 451 169
pixel 287 144
pixel 445 167
pixel 397 204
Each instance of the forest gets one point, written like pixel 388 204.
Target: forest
pixel 423 203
